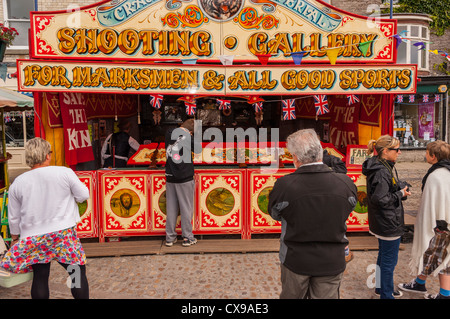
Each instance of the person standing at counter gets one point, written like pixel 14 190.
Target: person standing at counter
pixel 43 214
pixel 313 204
pixel 117 146
pixel 180 185
pixel 385 209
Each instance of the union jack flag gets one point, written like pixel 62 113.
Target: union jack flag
pixel 425 98
pixel 190 108
pixel 321 104
pixel 258 106
pixel 289 109
pixel 156 100
pixel 224 104
pixel 400 98
pixel 411 98
pixel 436 98
pixel 352 99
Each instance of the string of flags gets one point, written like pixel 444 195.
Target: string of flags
pixel 11 116
pixel 332 53
pixel 288 105
pixel 412 97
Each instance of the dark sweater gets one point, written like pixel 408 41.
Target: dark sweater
pixel 179 164
pixel 313 204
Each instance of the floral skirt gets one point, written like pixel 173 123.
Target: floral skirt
pixel 63 246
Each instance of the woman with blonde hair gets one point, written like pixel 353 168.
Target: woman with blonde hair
pixel 43 214
pixel 386 215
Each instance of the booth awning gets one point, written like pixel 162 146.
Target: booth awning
pixel 10 99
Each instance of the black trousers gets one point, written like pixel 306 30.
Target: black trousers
pixel 41 274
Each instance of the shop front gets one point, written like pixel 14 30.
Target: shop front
pixel 250 73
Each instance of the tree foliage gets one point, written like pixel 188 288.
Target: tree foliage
pixel 439 11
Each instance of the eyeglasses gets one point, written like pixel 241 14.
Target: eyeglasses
pixel 394 149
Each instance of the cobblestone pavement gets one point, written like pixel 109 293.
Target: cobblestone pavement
pixel 208 276
pixel 221 276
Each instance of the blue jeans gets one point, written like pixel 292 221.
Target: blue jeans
pixel 386 262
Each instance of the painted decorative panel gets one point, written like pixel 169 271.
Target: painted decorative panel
pixel 359 218
pixel 88 227
pixel 260 186
pixel 123 200
pixel 220 201
pixel 158 204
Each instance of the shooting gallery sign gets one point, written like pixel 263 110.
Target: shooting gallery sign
pixel 215 80
pixel 154 30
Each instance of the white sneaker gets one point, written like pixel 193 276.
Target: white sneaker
pixel 170 243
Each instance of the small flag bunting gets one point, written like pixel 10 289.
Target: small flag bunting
pixel 332 54
pixel 156 100
pixel 411 98
pixel 263 58
pixel 190 108
pixel 399 98
pixel 258 106
pixel 419 45
pixel 425 98
pixel 297 57
pixel 226 59
pixel 224 104
pixel 289 109
pixel 352 99
pixel 321 104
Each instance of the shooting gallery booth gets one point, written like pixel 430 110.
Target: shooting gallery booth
pixel 265 68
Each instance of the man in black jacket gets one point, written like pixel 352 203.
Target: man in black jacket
pixel 313 204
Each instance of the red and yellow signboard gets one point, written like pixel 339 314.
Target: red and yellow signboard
pixel 221 38
pixel 215 80
pixel 210 29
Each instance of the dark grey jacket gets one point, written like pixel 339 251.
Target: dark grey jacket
pixel 386 215
pixel 313 204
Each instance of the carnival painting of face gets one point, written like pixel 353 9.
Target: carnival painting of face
pixel 221 10
pixel 125 203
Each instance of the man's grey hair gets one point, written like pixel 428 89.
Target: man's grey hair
pixel 305 145
pixel 36 151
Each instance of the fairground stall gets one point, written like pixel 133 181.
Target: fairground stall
pixel 252 71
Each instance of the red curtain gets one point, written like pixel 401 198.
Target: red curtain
pixel 387 114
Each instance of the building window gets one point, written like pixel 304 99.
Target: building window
pixel 19 127
pixel 408 52
pixel 419 119
pixel 17 15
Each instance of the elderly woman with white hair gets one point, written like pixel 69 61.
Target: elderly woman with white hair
pixel 43 213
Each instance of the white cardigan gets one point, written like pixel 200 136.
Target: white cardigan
pixel 435 205
pixel 44 200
